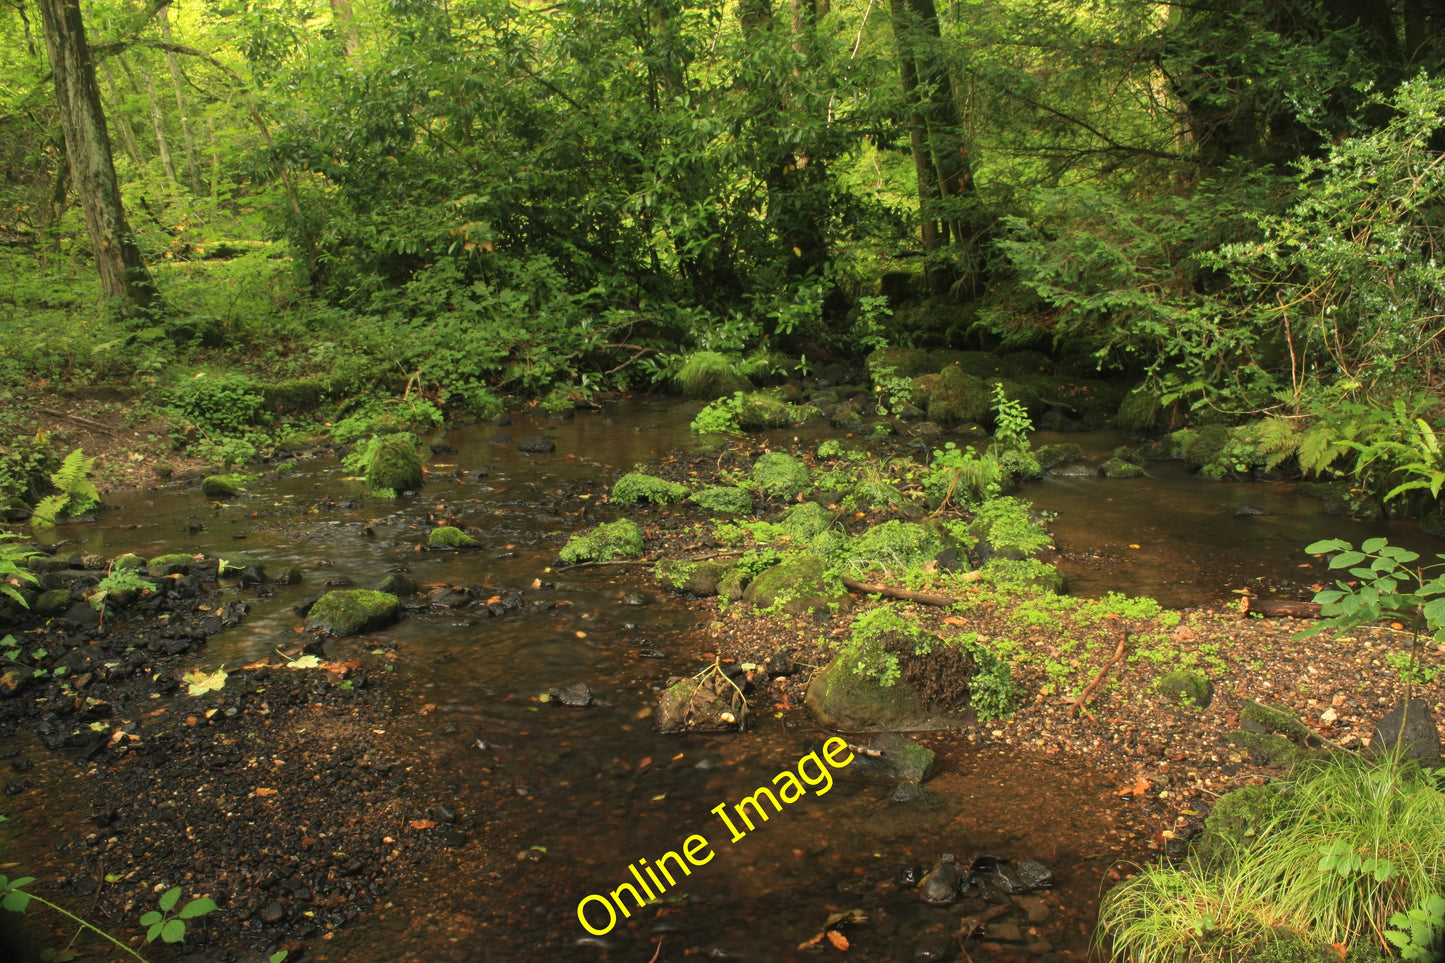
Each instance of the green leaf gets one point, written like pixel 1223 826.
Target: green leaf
pixel 153 932
pixel 174 931
pixel 198 907
pixel 170 898
pixel 1327 545
pixel 1372 545
pixel 151 918
pixel 278 957
pixel 15 901
pixel 1346 559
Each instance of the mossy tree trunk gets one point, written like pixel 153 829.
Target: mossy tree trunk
pixel 92 169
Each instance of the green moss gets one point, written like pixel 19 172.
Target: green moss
pixel 302 394
pixel 1140 412
pixel 449 536
pixel 701 578
pixel 636 487
pixel 798 585
pixel 163 565
pixel 802 522
pixel 841 698
pixel 896 546
pixel 1256 717
pixel 1236 823
pixel 1052 456
pixel 757 411
pixel 127 563
pixel 223 486
pixel 872 496
pixel 901 362
pixel 779 475
pixel 1186 685
pixel 391 465
pixel 1119 468
pixel 710 374
pixel 350 611
pixel 1204 445
pixel 728 500
pixel 52 602
pixel 956 398
pixel 1022 575
pixel 619 539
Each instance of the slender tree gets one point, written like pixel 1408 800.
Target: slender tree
pixel 87 146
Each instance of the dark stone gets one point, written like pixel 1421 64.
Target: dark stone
pixel 1246 511
pixel 21 764
pixel 908 876
pixel 1422 736
pixel 398 584
pixel 934 948
pixel 82 615
pixel 633 598
pixel 286 575
pixel 941 885
pixel 537 445
pixel 779 663
pixel 16 786
pixel 577 694
pixel 273 912
pixel 442 448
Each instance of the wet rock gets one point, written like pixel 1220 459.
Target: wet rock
pixel 223 486
pixel 398 584
pixel 51 602
pixel 940 887
pixel 839 698
pixel 163 565
pixel 1421 735
pixel 351 611
pixel 1021 877
pixel 692 578
pixel 273 913
pixel 633 598
pixel 537 445
pixel 1035 910
pixel 1074 470
pixel 800 585
pixel 691 705
pixel 14 681
pixel 905 758
pixel 449 597
pixel 253 575
pixel 16 786
pixel 442 448
pixel 286 575
pixel 934 948
pixel 1005 931
pixel 780 663
pixel 82 616
pixel 912 794
pixel 449 536
pixel 1247 511
pixel 578 694
pixel 908 876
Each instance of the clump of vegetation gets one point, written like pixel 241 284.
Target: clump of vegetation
pixel 730 500
pixel 619 539
pixel 708 374
pixel 223 486
pixel 76 493
pixel 1006 528
pixel 449 536
pixel 637 487
pixel 391 464
pixel 895 547
pixel 12 559
pixel 779 475
pixel 720 417
pixel 1339 853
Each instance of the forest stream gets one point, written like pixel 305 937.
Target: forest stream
pixel 502 809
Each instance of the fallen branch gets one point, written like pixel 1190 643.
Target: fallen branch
pixel 971 924
pixel 1084 696
pixel 1278 608
pixel 84 421
pixel 653 561
pixel 922 598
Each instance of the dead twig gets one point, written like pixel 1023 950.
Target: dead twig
pixel 971 924
pixel 1089 690
pixel 76 418
pixel 922 598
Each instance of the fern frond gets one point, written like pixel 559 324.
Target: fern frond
pixel 50 508
pixel 1275 439
pixel 73 478
pixel 1319 447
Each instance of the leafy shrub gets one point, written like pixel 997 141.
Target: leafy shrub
pixel 226 405
pixel 720 417
pixel 1008 528
pixel 708 374
pixel 960 476
pixel 383 416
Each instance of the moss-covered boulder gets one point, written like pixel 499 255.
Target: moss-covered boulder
pixel 1201 446
pixel 392 465
pixel 1119 468
pixel 701 705
pixel 956 398
pixel 805 520
pixel 127 563
pixel 1187 685
pixel 758 411
pixel 619 539
pixel 163 565
pixel 896 546
pixel 1236 824
pixel 223 486
pixel 901 362
pixel 1052 456
pixel 728 500
pixel 51 602
pixel 840 698
pixel 637 487
pixel 352 611
pixel 449 536
pixel 872 496
pixel 798 585
pixel 699 578
pixel 779 475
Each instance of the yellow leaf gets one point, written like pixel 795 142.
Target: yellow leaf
pixel 265 792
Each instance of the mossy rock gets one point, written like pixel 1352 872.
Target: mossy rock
pixel 619 539
pixel 846 418
pixel 956 398
pixel 352 611
pixel 1119 468
pixel 163 565
pixel 897 546
pixel 223 486
pixel 1140 413
pixel 1022 575
pixel 52 602
pixel 808 416
pixel 711 374
pixel 449 536
pixel 798 585
pixel 1203 446
pixel 873 496
pixel 840 698
pixel 392 465
pixel 127 563
pixel 757 412
pixel 805 520
pixel 301 394
pixel 779 475
pixel 700 578
pixel 1235 824
pixel 901 362
pixel 1052 456
pixel 729 500
pixel 636 487
pixel 1258 718
pixel 1186 685
pixel 399 584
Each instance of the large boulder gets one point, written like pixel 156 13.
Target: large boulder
pixel 352 611
pixel 1421 735
pixel 841 698
pixel 392 465
pixel 798 585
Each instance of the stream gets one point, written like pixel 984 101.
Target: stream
pixel 559 802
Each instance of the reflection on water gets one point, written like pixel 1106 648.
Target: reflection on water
pixel 559 801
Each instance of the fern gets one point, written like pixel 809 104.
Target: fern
pixel 77 493
pixel 1319 446
pixel 11 557
pixel 1274 440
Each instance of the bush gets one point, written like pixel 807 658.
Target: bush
pixel 708 374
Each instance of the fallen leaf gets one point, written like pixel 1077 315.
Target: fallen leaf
pixel 422 823
pixel 1138 788
pixel 954 620
pixel 265 792
pixel 201 683
pixel 837 939
pixel 1339 948
pixel 305 662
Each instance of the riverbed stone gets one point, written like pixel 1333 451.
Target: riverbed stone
pixel 1421 735
pixel 1119 468
pixel 840 698
pixel 1186 685
pixel 398 584
pixel 352 611
pixel 693 705
pixel 223 486
pixel 52 602
pixel 163 565
pixel 798 585
pixel 1258 718
pixel 578 695
pixel 905 758
pixel 692 578
pixel 449 536
pixel 536 445
pixel 619 539
pixel 934 948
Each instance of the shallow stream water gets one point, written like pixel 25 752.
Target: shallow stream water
pixel 560 801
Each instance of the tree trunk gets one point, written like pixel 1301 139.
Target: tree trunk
pixel 903 39
pixel 127 136
pixel 193 175
pixel 158 124
pixel 92 170
pixel 345 20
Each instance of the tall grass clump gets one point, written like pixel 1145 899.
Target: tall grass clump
pixel 710 374
pixel 1337 852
